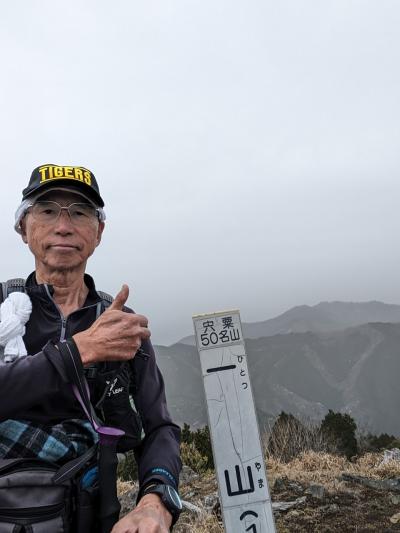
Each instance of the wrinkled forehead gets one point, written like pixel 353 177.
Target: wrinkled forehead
pixel 64 198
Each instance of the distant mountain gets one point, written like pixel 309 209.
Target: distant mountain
pixel 355 370
pixel 325 316
pixel 180 366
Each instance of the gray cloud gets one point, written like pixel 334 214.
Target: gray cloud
pixel 247 152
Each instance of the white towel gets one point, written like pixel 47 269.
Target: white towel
pixel 14 314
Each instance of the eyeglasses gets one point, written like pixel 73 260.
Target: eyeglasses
pixel 48 212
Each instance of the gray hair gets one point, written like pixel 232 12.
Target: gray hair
pixel 22 209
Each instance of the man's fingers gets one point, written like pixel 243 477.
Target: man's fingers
pixel 120 299
pixel 143 321
pixel 145 334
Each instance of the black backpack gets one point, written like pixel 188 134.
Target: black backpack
pixel 37 496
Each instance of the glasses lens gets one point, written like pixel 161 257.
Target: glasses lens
pixel 81 213
pixel 50 211
pixel 46 211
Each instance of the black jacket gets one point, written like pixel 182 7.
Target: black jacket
pixel 32 389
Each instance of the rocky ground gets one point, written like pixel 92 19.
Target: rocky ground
pixel 356 509
pixel 323 494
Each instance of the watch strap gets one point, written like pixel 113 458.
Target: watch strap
pixel 160 488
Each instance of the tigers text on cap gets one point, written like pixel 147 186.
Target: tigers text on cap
pixel 78 178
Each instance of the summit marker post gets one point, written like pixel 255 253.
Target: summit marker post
pixel 239 461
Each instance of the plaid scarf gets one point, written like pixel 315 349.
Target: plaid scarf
pixel 60 443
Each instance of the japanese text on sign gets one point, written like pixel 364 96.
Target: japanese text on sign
pixel 218 331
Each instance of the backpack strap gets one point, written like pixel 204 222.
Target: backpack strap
pixel 18 285
pixel 12 285
pixel 70 469
pixel 107 298
pixel 108 438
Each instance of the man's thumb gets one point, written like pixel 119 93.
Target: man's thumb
pixel 120 299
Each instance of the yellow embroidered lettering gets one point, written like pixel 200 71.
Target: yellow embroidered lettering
pixel 51 172
pixel 58 172
pixel 88 178
pixel 42 171
pixel 78 174
pixel 68 172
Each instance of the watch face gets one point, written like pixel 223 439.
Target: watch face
pixel 174 496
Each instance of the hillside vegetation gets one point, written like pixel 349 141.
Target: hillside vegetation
pixel 331 478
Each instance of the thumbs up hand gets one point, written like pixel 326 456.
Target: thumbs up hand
pixel 120 299
pixel 115 336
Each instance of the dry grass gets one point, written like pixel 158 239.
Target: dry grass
pixel 310 467
pixel 125 486
pixel 192 457
pixel 203 523
pixel 370 465
pixel 324 468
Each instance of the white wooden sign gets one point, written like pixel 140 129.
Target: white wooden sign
pixel 239 463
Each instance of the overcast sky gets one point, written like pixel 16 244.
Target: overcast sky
pixel 247 151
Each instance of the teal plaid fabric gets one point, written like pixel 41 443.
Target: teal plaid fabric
pixel 60 443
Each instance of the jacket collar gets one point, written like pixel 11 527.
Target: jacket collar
pixel 33 288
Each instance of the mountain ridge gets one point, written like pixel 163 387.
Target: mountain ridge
pixel 351 370
pixel 324 316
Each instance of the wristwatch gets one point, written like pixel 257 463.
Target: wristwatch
pixel 169 497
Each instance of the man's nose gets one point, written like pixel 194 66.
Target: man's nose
pixel 64 223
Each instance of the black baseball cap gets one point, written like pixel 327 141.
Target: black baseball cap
pixel 78 179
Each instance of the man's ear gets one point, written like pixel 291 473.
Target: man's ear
pixel 100 230
pixel 22 226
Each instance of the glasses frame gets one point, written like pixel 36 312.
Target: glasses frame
pixel 97 209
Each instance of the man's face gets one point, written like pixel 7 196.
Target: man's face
pixel 61 245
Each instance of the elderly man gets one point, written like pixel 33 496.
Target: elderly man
pixel 61 219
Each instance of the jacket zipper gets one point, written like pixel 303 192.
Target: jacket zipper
pixel 63 328
pixel 62 317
